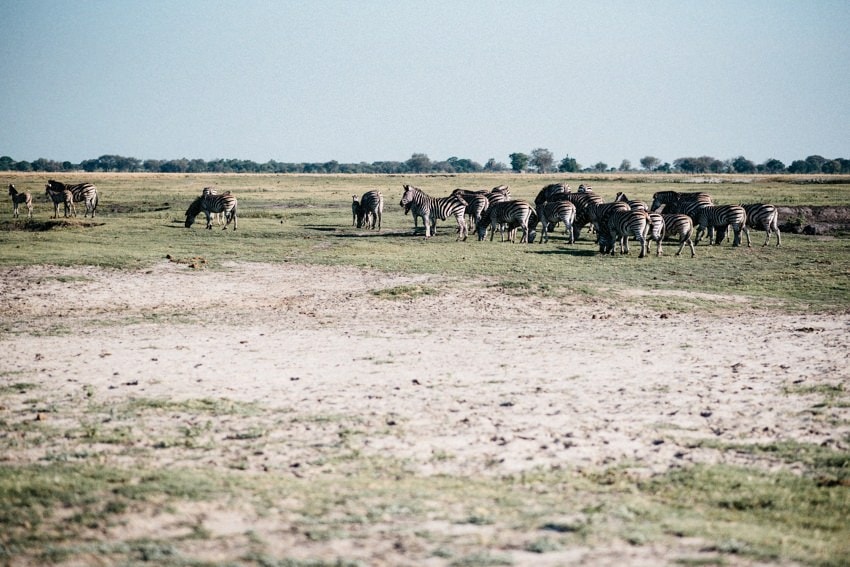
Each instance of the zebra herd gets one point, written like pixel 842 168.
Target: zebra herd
pixel 688 216
pixel 59 194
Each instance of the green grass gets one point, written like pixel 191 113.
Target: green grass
pixel 307 219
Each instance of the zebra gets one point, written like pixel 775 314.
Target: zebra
pixel 82 192
pixel 61 197
pixel 431 209
pixel 681 225
pixel 545 194
pixel 371 207
pixel 597 211
pixel 476 203
pixel 355 209
pixel 617 226
pixel 655 230
pixel 212 191
pixel 684 202
pixel 20 198
pixel 511 215
pixel 720 217
pixel 210 203
pixel 763 217
pixel 634 205
pixel 585 188
pixel 555 212
pixel 582 202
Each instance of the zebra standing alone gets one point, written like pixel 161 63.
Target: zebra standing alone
pixel 431 209
pixel 764 217
pixel 81 192
pixel 371 207
pixel 210 203
pixel 20 198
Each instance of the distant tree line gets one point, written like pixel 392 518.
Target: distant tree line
pixel 539 160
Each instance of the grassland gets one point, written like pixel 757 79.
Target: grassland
pixel 90 474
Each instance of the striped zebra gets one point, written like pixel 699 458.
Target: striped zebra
pixel 431 209
pixel 355 208
pixel 582 202
pixel 546 194
pixel 634 204
pixel 210 203
pixel 585 188
pixel 721 217
pixel 762 216
pixel 555 212
pixel 82 193
pixel 617 226
pixel 655 230
pixel 509 215
pixel 476 203
pixel 19 199
pixel 684 203
pixel 63 197
pixel 371 210
pixel 597 211
pixel 680 225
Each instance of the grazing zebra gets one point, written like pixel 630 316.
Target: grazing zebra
pixel 20 198
pixel 82 192
pixel 634 205
pixel 355 209
pixel 555 212
pixel 545 194
pixel 764 217
pixel 371 208
pixel 63 197
pixel 617 226
pixel 582 202
pixel 431 209
pixel 219 220
pixel 721 217
pixel 684 203
pixel 210 203
pixel 655 230
pixel 681 225
pixel 508 215
pixel 597 211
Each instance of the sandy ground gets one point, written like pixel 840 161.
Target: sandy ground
pixel 469 380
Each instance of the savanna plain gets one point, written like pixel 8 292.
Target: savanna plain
pixel 300 392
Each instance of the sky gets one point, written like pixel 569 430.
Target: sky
pixel 378 80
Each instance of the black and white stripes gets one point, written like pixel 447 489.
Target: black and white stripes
pixel 210 203
pixel 81 193
pixel 19 199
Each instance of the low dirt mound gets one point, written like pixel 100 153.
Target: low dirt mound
pixel 42 226
pixel 814 220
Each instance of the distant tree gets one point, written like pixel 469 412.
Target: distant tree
pixel 799 166
pixel 815 163
pixel 542 159
pixel 493 165
pixel 332 166
pixel 845 165
pixel 831 166
pixel 742 165
pixel 419 163
pixel 67 166
pixel 664 167
pixel 519 162
pixel 649 163
pixel 600 166
pixel 569 165
pixel 773 166
pixel 6 163
pixel 625 165
pixel 23 166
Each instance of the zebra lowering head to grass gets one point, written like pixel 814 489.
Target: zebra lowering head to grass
pixel 81 193
pixel 209 203
pixel 431 209
pixel 19 199
pixel 617 226
pixel 370 210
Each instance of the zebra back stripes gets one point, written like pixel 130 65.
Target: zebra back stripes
pixel 617 226
pixel 210 203
pixel 19 199
pixel 555 212
pixel 81 192
pixel 763 216
pixel 655 229
pixel 680 225
pixel 371 209
pixel 582 202
pixel 634 204
pixel 431 209
pixel 681 201
pixel 547 192
pixel 508 214
pixel 721 217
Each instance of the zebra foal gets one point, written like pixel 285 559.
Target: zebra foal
pixel 80 193
pixel 19 199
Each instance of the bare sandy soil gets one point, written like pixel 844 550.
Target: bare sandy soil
pixel 466 380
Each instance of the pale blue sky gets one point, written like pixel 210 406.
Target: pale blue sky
pixel 312 81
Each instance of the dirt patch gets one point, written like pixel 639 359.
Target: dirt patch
pixel 814 220
pixel 50 224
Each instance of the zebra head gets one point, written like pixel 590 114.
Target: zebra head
pixel 193 211
pixel 408 196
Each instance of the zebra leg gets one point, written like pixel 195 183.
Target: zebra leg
pixel 736 229
pixel 747 234
pixel 778 240
pixel 209 220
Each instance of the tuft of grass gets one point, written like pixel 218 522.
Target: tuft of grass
pixel 404 292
